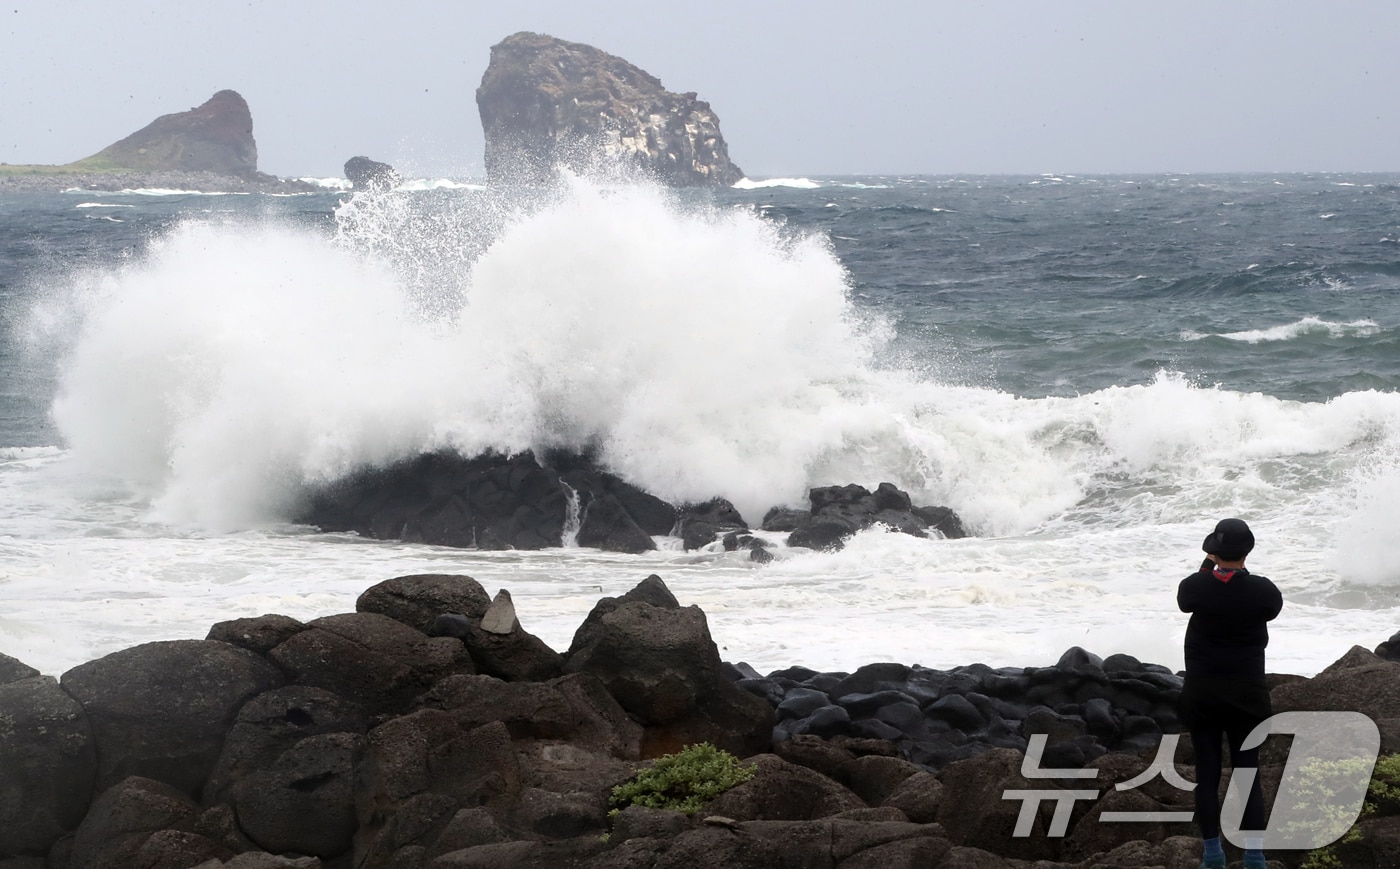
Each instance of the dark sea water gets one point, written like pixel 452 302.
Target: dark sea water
pixel 1091 370
pixel 1284 285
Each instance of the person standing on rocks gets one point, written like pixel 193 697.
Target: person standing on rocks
pixel 1223 695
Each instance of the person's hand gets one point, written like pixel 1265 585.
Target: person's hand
pixel 1208 564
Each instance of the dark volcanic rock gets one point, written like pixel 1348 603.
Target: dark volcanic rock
pixel 369 659
pixel 607 525
pixel 699 524
pixel 124 816
pixel 161 710
pixel 840 511
pixel 653 515
pixel 782 791
pixel 1370 688
pixel 214 137
pixel 419 599
pixel 547 103
pixel 489 502
pixel 303 802
pixel 260 634
pixel 49 764
pixel 576 708
pixel 13 669
pixel 660 663
pixel 367 174
pixel 274 722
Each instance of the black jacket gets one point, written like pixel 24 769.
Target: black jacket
pixel 1229 626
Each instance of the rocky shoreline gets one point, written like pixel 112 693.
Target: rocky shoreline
pixel 430 730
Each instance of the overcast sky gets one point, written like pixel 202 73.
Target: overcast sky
pixel 801 88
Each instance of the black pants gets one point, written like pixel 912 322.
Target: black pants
pixel 1206 739
pixel 1217 710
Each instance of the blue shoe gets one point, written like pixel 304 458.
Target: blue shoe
pixel 1255 860
pixel 1214 862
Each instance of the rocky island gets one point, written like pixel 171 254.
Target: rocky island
pixel 546 102
pixel 210 147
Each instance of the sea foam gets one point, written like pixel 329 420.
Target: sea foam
pixel 699 351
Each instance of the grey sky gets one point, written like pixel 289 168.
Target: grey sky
pixel 890 86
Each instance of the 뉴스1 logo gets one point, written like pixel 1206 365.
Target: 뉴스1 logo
pixel 1319 796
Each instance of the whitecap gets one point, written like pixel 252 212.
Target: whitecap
pixel 328 183
pixel 419 184
pixel 1305 326
pixel 755 184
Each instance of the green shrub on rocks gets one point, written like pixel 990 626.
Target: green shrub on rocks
pixel 1382 798
pixel 682 782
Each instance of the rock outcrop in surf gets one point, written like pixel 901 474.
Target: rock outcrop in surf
pixel 214 137
pixel 498 502
pixel 367 174
pixel 428 729
pixel 545 102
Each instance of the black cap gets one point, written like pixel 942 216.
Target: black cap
pixel 1231 540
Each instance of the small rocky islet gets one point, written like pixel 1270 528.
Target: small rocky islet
pixel 545 104
pixel 430 729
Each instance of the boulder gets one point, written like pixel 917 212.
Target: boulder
pixel 942 520
pixel 874 778
pixel 123 817
pixel 575 708
pixel 214 137
pixel 974 810
pixel 1089 835
pixel 304 801
pixel 1372 689
pixel 840 511
pixel 274 722
pixel 168 849
pixel 426 752
pixel 553 815
pixel 419 599
pixel 13 670
pixel 468 828
pixel 917 797
pixel 508 651
pixel 261 634
pixel 1390 649
pixel 409 835
pixel 1176 852
pixel 367 174
pixel 49 764
pixel 663 668
pixel 698 525
pixel 814 753
pixel 160 710
pixel 643 822
pixel 785 519
pixel 782 791
pixel 371 660
pixel 547 103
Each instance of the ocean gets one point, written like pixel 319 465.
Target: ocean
pixel 1090 370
